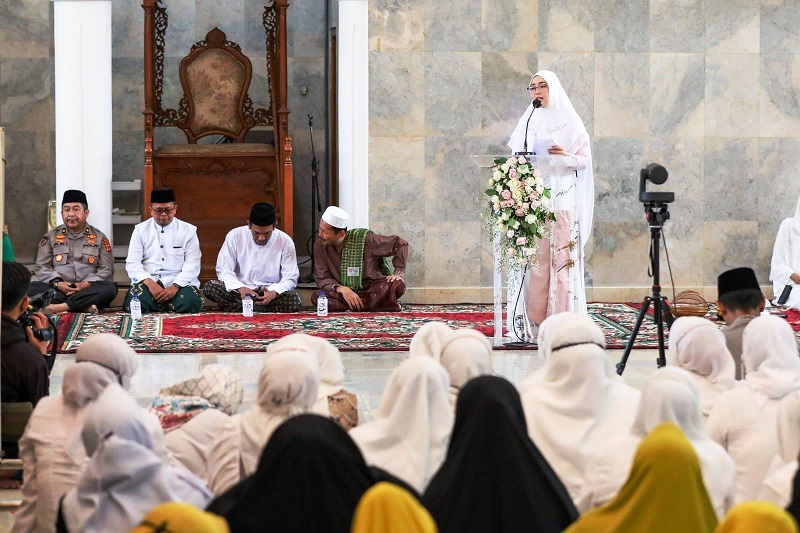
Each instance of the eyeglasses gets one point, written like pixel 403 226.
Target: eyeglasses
pixel 163 210
pixel 540 87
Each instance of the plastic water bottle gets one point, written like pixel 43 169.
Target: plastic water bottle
pixel 247 305
pixel 322 304
pixel 136 305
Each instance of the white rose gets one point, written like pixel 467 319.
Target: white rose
pixel 511 251
pixel 516 225
pixel 491 182
pixel 509 234
pixel 530 219
pixel 539 189
pixel 497 174
pixel 504 167
pixel 545 201
pixel 529 251
pixel 505 216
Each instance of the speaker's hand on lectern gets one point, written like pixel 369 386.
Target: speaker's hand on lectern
pixel 555 150
pixel 353 300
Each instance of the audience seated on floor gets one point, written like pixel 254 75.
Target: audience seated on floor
pixel 744 419
pixel 698 346
pixel 387 508
pixel 778 485
pixel 287 386
pixel 544 339
pixel 493 477
pixel 309 479
pixel 51 448
pixel 409 435
pixel 669 395
pixel 466 354
pixel 429 339
pixel 579 402
pixel 333 399
pixel 200 434
pixel 664 491
pixel 124 478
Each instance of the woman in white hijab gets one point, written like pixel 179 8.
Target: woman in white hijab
pixel 558 285
pixel 786 259
pixel 698 346
pixel 409 437
pixel 744 418
pixel 779 484
pixel 287 386
pixel 547 330
pixel 669 395
pixel 577 404
pixel 51 449
pixel 333 400
pixel 466 354
pixel 195 415
pixel 124 478
pixel 429 339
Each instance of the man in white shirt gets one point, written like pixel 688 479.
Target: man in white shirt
pixel 164 260
pixel 257 260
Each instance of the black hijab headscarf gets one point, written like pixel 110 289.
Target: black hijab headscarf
pixel 309 479
pixel 494 478
pixel 794 505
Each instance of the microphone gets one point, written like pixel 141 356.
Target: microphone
pixel 536 105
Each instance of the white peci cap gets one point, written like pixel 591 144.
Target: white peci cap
pixel 336 217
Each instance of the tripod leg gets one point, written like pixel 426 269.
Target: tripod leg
pixel 659 307
pixel 642 312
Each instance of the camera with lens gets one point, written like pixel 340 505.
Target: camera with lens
pixel 37 303
pixel 655 203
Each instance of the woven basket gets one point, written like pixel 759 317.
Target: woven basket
pixel 689 303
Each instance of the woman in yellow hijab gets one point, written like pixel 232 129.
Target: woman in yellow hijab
pixel 664 491
pixel 386 508
pixel 175 517
pixel 763 517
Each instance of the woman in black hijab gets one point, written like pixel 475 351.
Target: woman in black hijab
pixel 309 479
pixel 494 479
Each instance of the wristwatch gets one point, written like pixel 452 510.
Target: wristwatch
pixel 55 281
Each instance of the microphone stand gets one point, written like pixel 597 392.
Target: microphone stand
pixel 315 200
pixel 536 105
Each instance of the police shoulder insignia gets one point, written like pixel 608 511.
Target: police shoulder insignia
pixel 44 242
pixel 107 244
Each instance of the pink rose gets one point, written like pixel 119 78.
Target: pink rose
pixel 512 173
pixel 522 241
pixel 506 194
pixel 522 160
pixel 519 213
pixel 535 202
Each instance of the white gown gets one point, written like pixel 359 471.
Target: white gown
pixel 786 258
pixel 559 284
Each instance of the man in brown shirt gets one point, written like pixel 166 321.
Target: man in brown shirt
pixel 739 300
pixel 350 266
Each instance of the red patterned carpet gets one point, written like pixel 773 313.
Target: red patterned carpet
pixel 219 332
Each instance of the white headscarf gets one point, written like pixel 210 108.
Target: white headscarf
pixel 789 426
pixel 466 354
pixel 112 352
pixel 429 339
pixel 218 384
pixel 409 436
pixel 559 122
pixel 287 386
pixel 124 478
pixel 697 345
pixel 770 358
pixel 544 339
pixel 670 395
pixel 576 395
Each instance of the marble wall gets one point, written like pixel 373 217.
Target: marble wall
pixel 708 88
pixel 27 97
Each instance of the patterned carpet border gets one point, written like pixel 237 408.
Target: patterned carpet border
pixel 224 332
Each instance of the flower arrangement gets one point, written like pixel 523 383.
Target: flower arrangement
pixel 519 210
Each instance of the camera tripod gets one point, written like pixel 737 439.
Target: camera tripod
pixel 656 214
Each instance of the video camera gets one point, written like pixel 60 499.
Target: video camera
pixel 655 203
pixel 37 303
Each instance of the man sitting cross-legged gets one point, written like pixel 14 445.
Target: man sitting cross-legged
pixel 260 260
pixel 351 268
pixel 164 260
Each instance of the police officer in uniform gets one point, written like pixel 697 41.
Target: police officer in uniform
pixel 75 259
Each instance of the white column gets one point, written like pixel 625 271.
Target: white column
pixel 82 39
pixel 353 90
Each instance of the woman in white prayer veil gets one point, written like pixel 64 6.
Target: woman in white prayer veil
pixel 669 395
pixel 544 337
pixel 124 478
pixel 195 415
pixel 577 403
pixel 51 448
pixel 698 346
pixel 743 419
pixel 333 400
pixel 786 259
pixel 287 386
pixel 558 285
pixel 429 339
pixel 466 354
pixel 409 437
pixel 779 484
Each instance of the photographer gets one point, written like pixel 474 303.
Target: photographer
pixel 23 366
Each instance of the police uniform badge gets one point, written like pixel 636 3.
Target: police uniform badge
pixel 107 244
pixel 58 258
pixel 44 242
pixel 91 259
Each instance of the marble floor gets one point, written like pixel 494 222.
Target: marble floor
pixel 366 374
